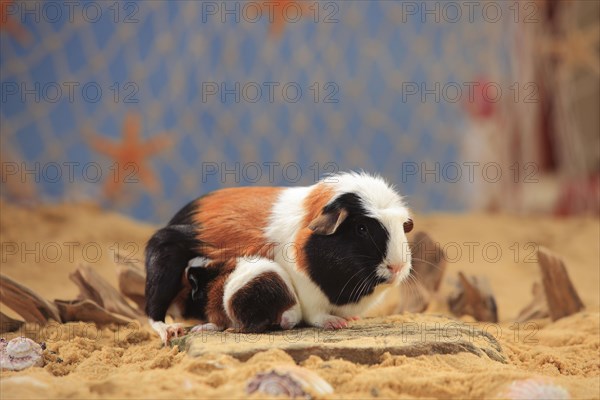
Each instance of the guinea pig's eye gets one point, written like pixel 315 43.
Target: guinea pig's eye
pixel 361 230
pixel 408 226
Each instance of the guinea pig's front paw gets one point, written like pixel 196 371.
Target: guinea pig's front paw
pixel 167 331
pixel 330 322
pixel 174 331
pixel 290 318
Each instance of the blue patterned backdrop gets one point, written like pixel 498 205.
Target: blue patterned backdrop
pixel 134 104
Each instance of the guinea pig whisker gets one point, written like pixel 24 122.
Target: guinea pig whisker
pixel 411 288
pixel 411 284
pixel 367 285
pixel 364 285
pixel 427 262
pixel 347 282
pixel 351 296
pixel 358 287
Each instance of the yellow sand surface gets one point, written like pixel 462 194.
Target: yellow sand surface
pixel 41 246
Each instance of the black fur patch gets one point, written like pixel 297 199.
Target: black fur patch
pixel 185 215
pixel 167 255
pixel 344 263
pixel 259 304
pixel 200 279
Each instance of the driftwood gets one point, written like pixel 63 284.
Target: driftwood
pixel 8 324
pixel 561 295
pixel 132 281
pixel 428 262
pixel 87 311
pixel 473 297
pixel 538 308
pixel 93 287
pixel 26 303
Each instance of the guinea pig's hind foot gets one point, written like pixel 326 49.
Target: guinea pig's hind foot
pixel 327 321
pixel 167 331
pixel 208 327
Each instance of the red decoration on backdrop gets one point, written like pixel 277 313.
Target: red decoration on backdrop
pixel 11 25
pixel 283 12
pixel 579 197
pixel 481 102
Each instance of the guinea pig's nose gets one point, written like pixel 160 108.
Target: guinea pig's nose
pixel 395 268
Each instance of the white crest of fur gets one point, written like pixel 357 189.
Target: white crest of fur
pixel 378 197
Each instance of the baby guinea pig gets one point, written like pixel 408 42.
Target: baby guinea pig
pixel 254 257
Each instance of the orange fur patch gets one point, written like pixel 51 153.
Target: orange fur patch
pixel 313 204
pixel 232 222
pixel 215 310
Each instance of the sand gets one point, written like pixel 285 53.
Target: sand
pixel 42 245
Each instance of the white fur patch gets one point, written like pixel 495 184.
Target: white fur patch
pixel 286 215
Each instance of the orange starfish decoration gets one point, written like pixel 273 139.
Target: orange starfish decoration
pixel 279 12
pixel 14 28
pixel 130 157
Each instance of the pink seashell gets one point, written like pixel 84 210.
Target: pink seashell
pixel 290 381
pixel 534 389
pixel 20 353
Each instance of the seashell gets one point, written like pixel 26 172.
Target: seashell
pixel 534 389
pixel 20 353
pixel 290 381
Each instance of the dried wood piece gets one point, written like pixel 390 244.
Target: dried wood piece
pixel 132 279
pixel 428 262
pixel 538 308
pixel 132 283
pixel 560 293
pixel 87 311
pixel 8 324
pixel 26 303
pixel 473 297
pixel 125 260
pixel 93 287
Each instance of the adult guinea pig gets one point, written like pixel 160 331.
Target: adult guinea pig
pixel 253 257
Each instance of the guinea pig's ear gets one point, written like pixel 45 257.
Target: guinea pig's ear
pixel 328 221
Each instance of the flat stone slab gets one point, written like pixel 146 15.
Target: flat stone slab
pixel 364 342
